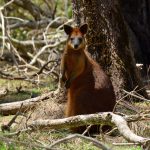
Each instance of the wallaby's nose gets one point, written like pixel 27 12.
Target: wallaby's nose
pixel 76 46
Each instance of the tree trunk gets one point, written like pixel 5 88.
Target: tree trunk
pixel 108 42
pixel 137 17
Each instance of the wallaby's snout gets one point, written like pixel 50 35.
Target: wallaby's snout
pixel 76 42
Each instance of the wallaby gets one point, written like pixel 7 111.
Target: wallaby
pixel 89 88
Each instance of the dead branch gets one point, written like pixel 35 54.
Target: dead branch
pixel 5 5
pixel 35 24
pixel 44 66
pixel 33 9
pixel 6 127
pixel 136 96
pixel 27 144
pixel 128 105
pixel 3 30
pixel 28 44
pixel 70 137
pixel 124 103
pixel 138 117
pixel 40 61
pixel 44 48
pixel 108 118
pixel 125 144
pixel 130 144
pixel 12 108
pixel 22 46
pixel 7 76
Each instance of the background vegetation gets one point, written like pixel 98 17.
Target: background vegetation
pixel 31 44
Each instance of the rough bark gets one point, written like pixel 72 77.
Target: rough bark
pixel 108 42
pixel 137 17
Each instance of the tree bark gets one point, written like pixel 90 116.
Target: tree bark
pixel 108 42
pixel 137 17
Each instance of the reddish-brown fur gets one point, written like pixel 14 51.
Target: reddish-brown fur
pixel 90 89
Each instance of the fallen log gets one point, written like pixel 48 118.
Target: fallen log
pixel 107 118
pixel 13 107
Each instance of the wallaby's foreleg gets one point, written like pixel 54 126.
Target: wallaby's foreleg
pixel 72 77
pixel 62 76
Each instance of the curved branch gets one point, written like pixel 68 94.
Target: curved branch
pixel 43 67
pixel 35 24
pixel 5 5
pixel 43 49
pixel 108 118
pixel 94 141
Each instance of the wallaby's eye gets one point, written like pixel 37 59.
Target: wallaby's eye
pixel 71 39
pixel 80 39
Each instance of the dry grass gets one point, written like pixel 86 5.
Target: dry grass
pixel 51 109
pixel 44 110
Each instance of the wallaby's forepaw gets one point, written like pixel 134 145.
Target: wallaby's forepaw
pixel 67 84
pixel 62 81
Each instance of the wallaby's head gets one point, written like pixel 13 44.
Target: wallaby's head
pixel 76 40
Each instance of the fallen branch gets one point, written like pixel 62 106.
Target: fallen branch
pixel 138 117
pixel 27 144
pixel 136 96
pixel 8 76
pixel 13 107
pixel 70 137
pixel 125 103
pixel 107 118
pixel 6 127
pixel 125 144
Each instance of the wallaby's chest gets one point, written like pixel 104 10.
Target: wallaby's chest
pixel 75 62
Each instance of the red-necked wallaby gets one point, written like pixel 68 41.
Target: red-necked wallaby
pixel 89 88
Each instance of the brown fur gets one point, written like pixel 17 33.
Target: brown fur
pixel 90 89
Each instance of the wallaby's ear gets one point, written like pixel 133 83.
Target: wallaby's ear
pixel 68 29
pixel 84 28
